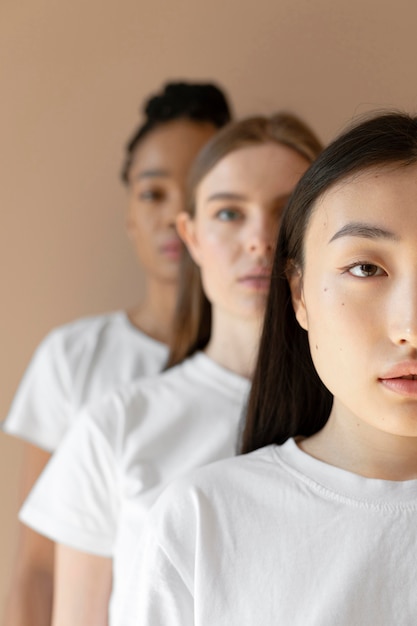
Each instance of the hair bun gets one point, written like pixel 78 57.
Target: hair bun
pixel 198 101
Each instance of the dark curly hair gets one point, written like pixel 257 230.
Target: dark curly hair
pixel 198 102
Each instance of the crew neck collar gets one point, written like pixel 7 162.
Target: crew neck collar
pixel 368 491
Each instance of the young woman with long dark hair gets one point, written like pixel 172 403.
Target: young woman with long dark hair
pixel 317 524
pixel 93 497
pixel 79 362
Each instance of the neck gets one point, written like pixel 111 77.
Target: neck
pixel 234 343
pixel 362 449
pixel 154 315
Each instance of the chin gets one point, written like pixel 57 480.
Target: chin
pixel 168 271
pixel 169 280
pixel 254 314
pixel 257 306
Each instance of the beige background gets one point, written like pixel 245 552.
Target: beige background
pixel 72 76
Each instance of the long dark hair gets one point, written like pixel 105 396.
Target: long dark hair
pixel 198 102
pixel 287 397
pixel 192 320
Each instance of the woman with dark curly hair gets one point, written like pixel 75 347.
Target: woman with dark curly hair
pixel 81 361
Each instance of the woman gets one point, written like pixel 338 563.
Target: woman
pixel 318 526
pixel 93 497
pixel 81 361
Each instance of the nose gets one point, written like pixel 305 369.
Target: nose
pixel 403 327
pixel 175 205
pixel 262 234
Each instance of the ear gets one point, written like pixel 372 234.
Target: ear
pixel 186 229
pixel 295 280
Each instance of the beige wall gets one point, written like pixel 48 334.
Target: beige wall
pixel 72 76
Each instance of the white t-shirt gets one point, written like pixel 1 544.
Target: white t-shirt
pixel 114 462
pixel 75 364
pixel 276 538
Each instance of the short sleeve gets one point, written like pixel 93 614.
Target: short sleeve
pixel 157 595
pixel 160 587
pixel 76 500
pixel 42 406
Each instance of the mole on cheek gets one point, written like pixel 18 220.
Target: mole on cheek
pixel 317 347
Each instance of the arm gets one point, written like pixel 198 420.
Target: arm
pixel 82 588
pixel 29 601
pixel 76 502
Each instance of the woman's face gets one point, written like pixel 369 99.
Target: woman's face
pixel 157 193
pixel 357 298
pixel 233 233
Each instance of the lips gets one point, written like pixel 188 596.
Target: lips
pixel 257 279
pixel 172 249
pixel 404 369
pixel 401 379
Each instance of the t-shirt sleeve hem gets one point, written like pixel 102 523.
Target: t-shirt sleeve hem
pixel 59 532
pixel 22 433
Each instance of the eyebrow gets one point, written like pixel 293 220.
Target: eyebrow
pixel 226 195
pixel 367 231
pixel 151 174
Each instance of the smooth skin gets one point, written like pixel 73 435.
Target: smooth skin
pixel 357 298
pixel 156 194
pixel 31 591
pixel 231 237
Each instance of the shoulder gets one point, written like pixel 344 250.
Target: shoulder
pixel 91 347
pixel 120 412
pixel 77 334
pixel 154 394
pixel 198 508
pixel 158 387
pixel 86 329
pixel 51 370
pixel 200 376
pixel 218 482
pixel 189 387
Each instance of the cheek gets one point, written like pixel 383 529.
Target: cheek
pixel 144 224
pixel 216 266
pixel 142 234
pixel 216 250
pixel 341 335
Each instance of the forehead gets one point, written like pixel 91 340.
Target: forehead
pixel 254 169
pixel 172 146
pixel 385 197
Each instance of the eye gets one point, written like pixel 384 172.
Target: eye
pixel 152 195
pixel 229 215
pixel 366 270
